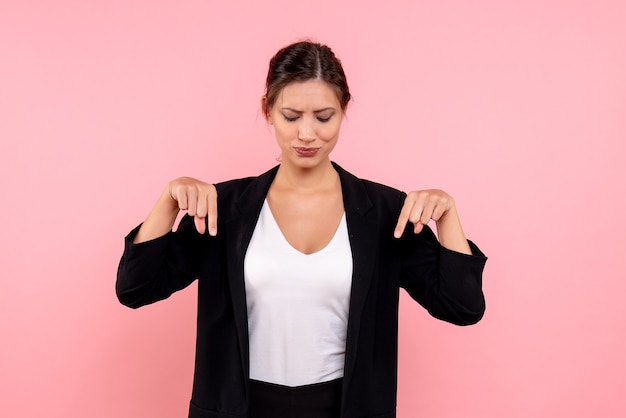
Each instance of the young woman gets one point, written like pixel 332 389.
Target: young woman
pixel 299 269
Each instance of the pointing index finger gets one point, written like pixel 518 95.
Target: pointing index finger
pixel 212 211
pixel 403 219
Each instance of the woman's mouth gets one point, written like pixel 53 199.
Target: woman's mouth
pixel 306 152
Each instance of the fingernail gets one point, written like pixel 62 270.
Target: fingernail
pixel 213 231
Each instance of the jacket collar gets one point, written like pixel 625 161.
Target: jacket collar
pixel 355 198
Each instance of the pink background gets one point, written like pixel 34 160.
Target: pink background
pixel 516 108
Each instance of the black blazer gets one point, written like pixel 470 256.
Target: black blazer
pixel 446 283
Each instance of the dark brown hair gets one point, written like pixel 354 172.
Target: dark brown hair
pixel 304 61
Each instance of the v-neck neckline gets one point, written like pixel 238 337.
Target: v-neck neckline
pixel 274 224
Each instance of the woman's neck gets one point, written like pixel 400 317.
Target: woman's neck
pixel 320 177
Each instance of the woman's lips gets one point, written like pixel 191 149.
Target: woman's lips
pixel 306 152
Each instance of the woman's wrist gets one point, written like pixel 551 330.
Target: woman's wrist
pixel 450 232
pixel 160 220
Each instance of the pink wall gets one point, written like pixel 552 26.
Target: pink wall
pixel 517 108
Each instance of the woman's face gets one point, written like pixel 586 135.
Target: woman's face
pixel 306 117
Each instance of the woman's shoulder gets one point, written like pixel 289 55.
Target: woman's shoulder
pixel 239 184
pixel 370 185
pixel 382 189
pixel 363 191
pixel 246 189
pixel 384 196
pixel 234 184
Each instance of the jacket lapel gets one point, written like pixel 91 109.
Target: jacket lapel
pixel 238 230
pixel 363 233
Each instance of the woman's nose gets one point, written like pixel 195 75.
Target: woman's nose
pixel 306 132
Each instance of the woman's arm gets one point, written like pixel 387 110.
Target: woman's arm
pixel 158 262
pixel 445 276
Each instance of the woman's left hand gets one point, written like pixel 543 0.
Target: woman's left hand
pixel 422 206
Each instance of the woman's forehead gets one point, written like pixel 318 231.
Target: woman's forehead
pixel 314 93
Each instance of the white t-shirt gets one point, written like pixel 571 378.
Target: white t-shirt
pixel 297 306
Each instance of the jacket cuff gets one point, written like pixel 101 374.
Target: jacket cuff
pixel 153 247
pixel 476 252
pixel 455 261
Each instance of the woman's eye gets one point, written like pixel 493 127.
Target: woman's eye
pixel 295 118
pixel 290 118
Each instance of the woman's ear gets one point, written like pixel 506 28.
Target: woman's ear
pixel 265 110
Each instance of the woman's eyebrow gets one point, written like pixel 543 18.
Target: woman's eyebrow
pixel 300 111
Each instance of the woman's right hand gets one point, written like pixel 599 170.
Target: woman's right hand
pixel 199 199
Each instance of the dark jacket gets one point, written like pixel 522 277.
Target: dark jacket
pixel 446 283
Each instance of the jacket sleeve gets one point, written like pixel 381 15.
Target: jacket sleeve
pixel 447 283
pixel 153 270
